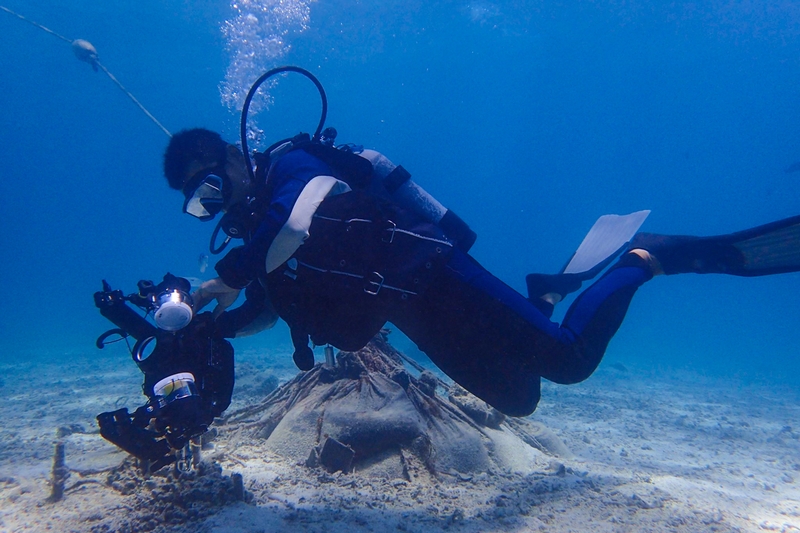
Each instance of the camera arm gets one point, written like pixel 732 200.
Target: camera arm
pixel 112 306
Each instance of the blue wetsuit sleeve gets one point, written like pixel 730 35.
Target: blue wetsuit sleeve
pixel 291 173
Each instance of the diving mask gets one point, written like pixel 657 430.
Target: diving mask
pixel 206 193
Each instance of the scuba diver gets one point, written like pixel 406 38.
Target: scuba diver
pixel 344 241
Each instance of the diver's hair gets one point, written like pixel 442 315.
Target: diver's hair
pixel 198 144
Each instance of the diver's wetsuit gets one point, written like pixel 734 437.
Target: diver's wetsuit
pixel 483 334
pixel 497 344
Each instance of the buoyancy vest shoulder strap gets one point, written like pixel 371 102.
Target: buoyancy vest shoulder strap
pixel 295 231
pixel 351 168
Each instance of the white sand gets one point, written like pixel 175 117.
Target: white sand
pixel 677 453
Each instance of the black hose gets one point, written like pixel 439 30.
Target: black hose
pixel 246 107
pixel 213 248
pixel 101 340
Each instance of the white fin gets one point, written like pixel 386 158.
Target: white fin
pixel 603 242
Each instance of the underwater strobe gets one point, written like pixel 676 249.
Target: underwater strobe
pixel 187 366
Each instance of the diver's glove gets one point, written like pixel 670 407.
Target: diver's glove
pixel 231 269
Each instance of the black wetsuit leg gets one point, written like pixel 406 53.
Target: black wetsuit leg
pixel 496 344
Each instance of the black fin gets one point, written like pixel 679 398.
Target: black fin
pixel 773 248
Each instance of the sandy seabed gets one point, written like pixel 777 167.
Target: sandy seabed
pixel 650 452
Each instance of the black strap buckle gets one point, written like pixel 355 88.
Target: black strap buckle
pixel 373 283
pixel 397 177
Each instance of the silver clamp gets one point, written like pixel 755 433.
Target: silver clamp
pixel 388 233
pixel 373 283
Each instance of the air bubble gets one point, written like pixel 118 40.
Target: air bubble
pixel 257 37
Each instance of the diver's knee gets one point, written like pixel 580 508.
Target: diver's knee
pixel 518 405
pixel 571 376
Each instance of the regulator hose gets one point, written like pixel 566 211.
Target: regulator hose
pixel 246 108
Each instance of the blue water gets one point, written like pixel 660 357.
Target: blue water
pixel 529 119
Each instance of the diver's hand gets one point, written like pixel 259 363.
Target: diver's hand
pixel 233 268
pixel 214 289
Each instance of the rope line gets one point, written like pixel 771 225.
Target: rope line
pixel 95 63
pixel 48 30
pixel 133 98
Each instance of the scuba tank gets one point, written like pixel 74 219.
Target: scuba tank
pixel 395 182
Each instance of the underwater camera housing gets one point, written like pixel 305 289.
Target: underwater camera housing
pixel 187 367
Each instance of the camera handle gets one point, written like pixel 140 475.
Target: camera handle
pixel 113 307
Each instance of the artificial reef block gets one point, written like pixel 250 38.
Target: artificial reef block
pixel 370 415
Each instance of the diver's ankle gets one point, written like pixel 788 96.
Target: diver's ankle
pixel 552 298
pixel 650 259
